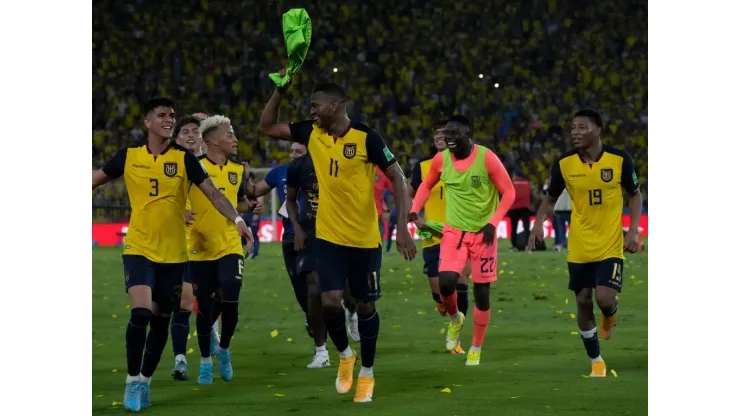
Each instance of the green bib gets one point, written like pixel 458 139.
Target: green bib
pixel 471 197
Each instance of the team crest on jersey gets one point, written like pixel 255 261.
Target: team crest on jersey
pixel 170 169
pixel 350 150
pixel 233 177
pixel 607 174
pixel 475 181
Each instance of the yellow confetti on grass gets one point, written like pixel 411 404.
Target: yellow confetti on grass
pixel 195 389
pixel 115 370
pixel 566 301
pixel 246 326
pixel 270 385
pixel 499 311
pixel 514 397
pixel 99 396
pixel 115 316
pixel 556 389
pixel 279 395
pixel 189 351
pixel 114 404
pixel 446 390
pixel 585 376
pixel 274 333
pixel 421 312
pixel 281 374
pixel 442 331
pixel 633 277
pixel 286 309
pixel 572 316
pixel 128 307
pixel 574 333
pixel 188 336
pixel 614 373
pixel 559 311
pixel 105 297
pixel 290 339
pixel 396 326
pixel 457 385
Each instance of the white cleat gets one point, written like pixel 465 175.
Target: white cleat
pixel 320 360
pixel 352 329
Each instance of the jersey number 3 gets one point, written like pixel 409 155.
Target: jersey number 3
pixel 155 187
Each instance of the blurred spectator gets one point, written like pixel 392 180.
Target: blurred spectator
pixel 521 209
pixel 517 71
pixel 561 216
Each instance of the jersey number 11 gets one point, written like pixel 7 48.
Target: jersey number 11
pixel 333 167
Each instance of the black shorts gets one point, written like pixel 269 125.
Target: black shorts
pixel 306 260
pixel 360 267
pixel 225 273
pixel 165 279
pixel 290 256
pixel 431 261
pixel 601 273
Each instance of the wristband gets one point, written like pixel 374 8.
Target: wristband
pixel 238 219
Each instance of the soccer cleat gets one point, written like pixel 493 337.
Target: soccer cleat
pixel 320 360
pixel 180 372
pixel 224 364
pixel 364 392
pixel 441 308
pixel 345 373
pixel 608 323
pixel 473 358
pixel 458 350
pixel 453 332
pixel 132 396
pixel 145 400
pixel 206 374
pixel 352 329
pixel 598 369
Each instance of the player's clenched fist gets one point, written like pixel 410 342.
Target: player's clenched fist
pixel 632 241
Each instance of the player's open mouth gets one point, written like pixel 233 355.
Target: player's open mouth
pixel 190 141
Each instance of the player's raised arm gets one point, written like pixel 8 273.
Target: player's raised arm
pixel 502 181
pixel 425 188
pixel 112 170
pixel 631 184
pixel 270 126
pixel 556 187
pixel 379 154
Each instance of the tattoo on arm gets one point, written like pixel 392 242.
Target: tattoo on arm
pixel 219 201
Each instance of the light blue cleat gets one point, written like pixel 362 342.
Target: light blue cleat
pixel 224 364
pixel 206 374
pixel 132 396
pixel 145 401
pixel 180 372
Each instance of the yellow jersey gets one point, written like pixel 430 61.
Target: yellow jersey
pixel 158 190
pixel 188 207
pixel 212 236
pixel 345 170
pixel 435 208
pixel 596 192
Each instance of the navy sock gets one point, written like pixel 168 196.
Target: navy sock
pixel 180 329
pixel 136 338
pixel 229 318
pixel 437 298
pixel 335 325
pixel 369 328
pixel 203 324
pixel 591 342
pixel 159 331
pixel 462 298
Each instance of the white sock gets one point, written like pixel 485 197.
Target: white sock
pixel 321 349
pixel 366 372
pixel 593 360
pixel 346 353
pixel 474 348
pixel 455 317
pixel 588 334
pixel 208 360
pixel 180 357
pixel 147 380
pixel 130 378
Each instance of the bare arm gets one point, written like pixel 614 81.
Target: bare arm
pixel 635 206
pixel 99 178
pixel 545 210
pixel 219 201
pixel 258 190
pixel 422 194
pixel 502 181
pixel 112 170
pixel 291 204
pixel 400 192
pixel 269 125
pixel 243 206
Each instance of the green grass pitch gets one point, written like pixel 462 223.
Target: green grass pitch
pixel 533 361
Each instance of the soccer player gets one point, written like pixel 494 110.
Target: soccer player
pixel 594 175
pixel 348 246
pixel 302 177
pixel 216 258
pixel 473 177
pixel 434 210
pixel 157 175
pixel 276 178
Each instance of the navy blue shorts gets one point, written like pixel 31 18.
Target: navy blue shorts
pixel 165 279
pixel 290 256
pixel 359 267
pixel 431 261
pixel 601 273
pixel 306 259
pixel 225 273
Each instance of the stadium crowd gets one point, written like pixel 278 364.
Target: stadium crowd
pixel 517 71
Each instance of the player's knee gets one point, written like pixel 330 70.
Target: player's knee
pixel 365 310
pixel 447 282
pixel 482 296
pixel 313 288
pixel 140 317
pixel 331 302
pixel 605 300
pixel 584 299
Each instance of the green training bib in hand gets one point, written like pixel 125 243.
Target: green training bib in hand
pixel 297 32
